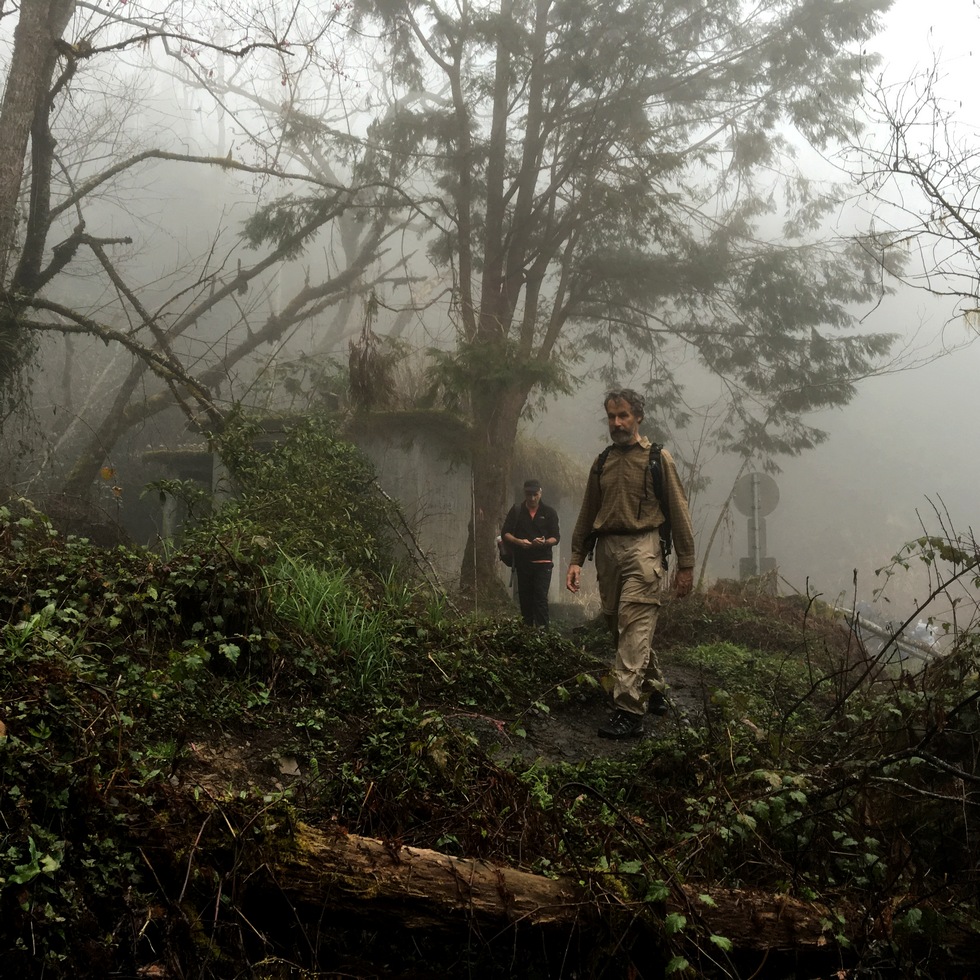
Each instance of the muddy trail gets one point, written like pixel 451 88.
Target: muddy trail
pixel 568 732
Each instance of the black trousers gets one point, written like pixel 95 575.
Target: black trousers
pixel 533 583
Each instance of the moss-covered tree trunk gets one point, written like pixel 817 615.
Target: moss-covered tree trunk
pixel 38 30
pixel 25 107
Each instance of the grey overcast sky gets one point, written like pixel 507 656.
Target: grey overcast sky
pixel 909 440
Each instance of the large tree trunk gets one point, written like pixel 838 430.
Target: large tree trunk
pixel 25 100
pixel 496 413
pixel 41 25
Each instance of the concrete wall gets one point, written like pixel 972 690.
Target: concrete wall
pixel 420 463
pixel 433 490
pixel 420 466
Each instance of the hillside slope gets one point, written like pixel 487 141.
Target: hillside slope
pixel 185 734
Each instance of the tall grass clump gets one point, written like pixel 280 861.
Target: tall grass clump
pixel 329 606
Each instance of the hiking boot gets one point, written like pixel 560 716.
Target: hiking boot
pixel 658 704
pixel 622 724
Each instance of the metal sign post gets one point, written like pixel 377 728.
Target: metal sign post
pixel 756 495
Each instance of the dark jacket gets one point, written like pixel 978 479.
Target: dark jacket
pixel 543 525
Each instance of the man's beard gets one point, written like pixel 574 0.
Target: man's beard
pixel 622 437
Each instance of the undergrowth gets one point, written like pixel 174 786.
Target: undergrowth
pixel 130 844
pixel 119 663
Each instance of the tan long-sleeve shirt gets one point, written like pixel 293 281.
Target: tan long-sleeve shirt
pixel 623 501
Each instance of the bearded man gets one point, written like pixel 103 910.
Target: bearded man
pixel 621 518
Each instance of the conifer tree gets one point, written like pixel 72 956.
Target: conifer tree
pixel 608 177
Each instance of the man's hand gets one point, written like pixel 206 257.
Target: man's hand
pixel 684 582
pixel 574 578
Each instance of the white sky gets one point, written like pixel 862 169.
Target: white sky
pixel 906 439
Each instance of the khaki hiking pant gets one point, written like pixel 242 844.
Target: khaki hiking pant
pixel 632 584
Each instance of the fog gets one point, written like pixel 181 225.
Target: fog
pixel 901 450
pixel 904 448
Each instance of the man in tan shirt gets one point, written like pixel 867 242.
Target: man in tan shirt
pixel 621 514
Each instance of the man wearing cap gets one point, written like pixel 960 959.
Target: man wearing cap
pixel 531 530
pixel 621 517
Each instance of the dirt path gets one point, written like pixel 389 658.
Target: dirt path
pixel 569 732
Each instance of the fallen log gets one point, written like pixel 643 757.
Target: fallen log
pixel 424 888
pixel 427 888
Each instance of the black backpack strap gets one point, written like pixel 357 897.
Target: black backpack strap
pixel 657 476
pixel 601 461
pixel 655 465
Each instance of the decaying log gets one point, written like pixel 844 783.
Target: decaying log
pixel 754 919
pixel 425 888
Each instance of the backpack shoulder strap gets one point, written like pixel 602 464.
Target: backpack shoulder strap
pixel 601 461
pixel 657 476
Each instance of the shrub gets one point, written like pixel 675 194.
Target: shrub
pixel 311 494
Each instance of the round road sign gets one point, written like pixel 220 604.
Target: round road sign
pixel 756 490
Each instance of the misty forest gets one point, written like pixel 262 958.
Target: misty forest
pixel 294 296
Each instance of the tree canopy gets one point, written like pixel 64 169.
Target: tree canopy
pixel 615 181
pixel 604 186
